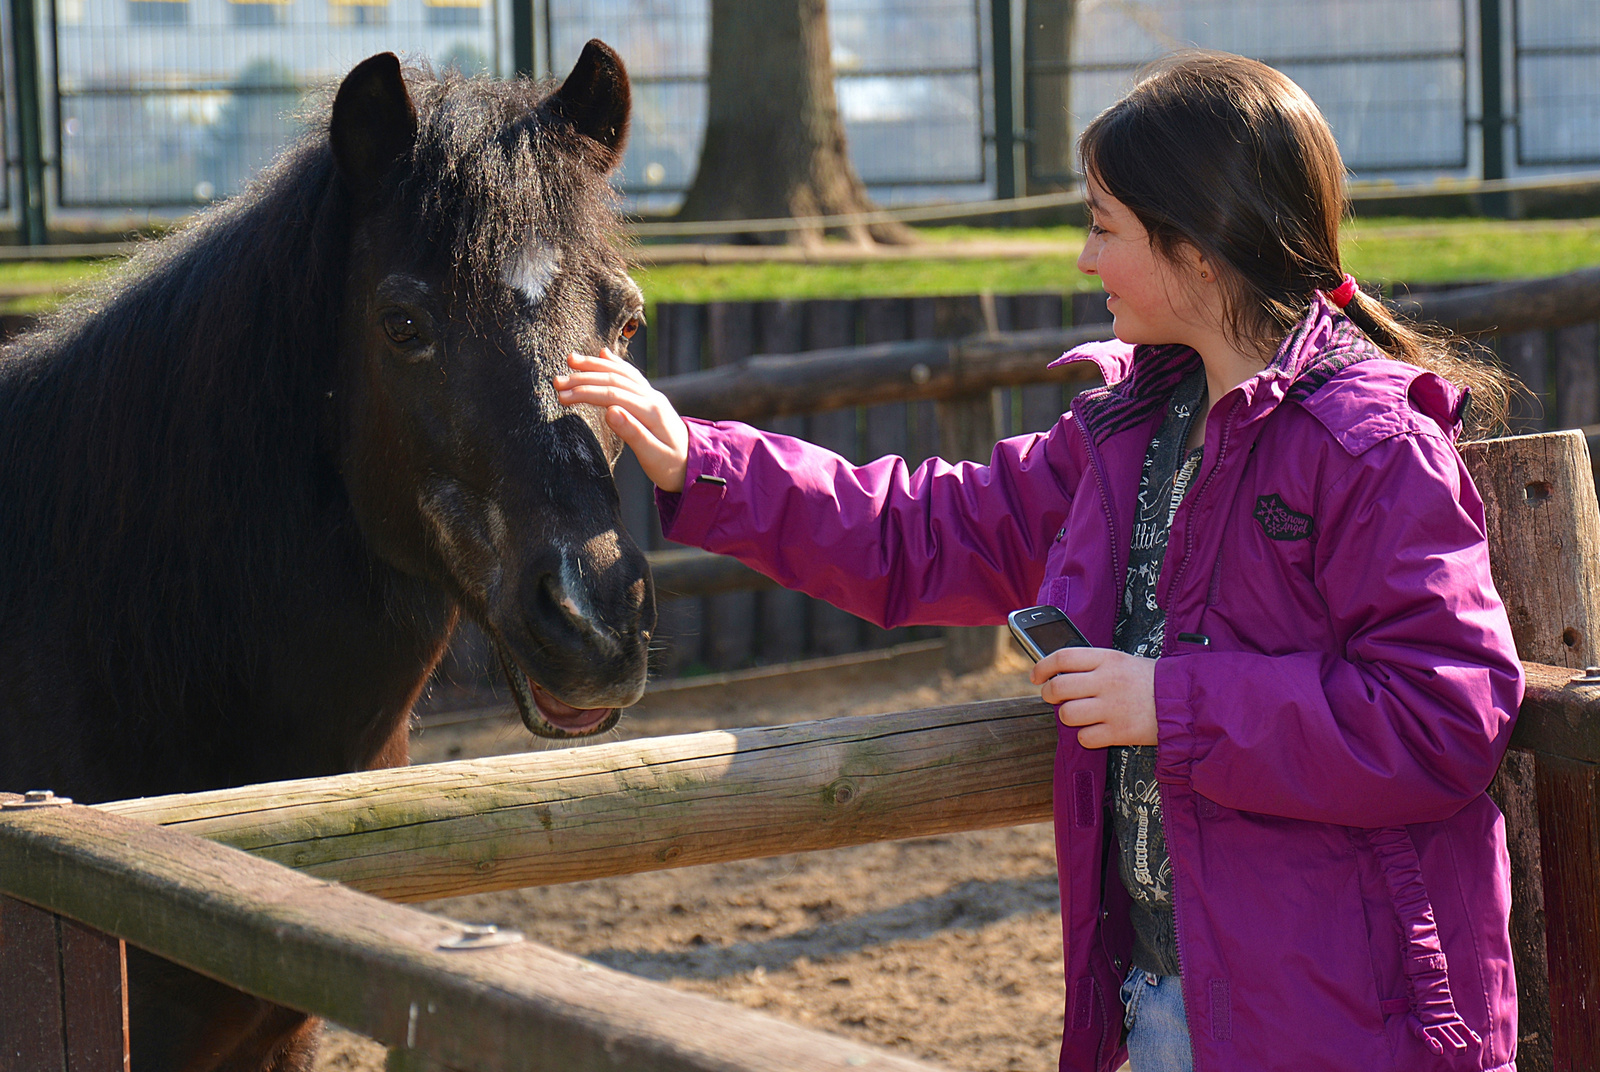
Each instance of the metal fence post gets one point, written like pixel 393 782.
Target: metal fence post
pixel 523 30
pixel 1492 122
pixel 1008 177
pixel 30 120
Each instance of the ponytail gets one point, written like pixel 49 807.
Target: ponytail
pixel 1467 365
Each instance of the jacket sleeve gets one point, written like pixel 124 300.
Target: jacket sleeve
pixel 1409 721
pixel 945 544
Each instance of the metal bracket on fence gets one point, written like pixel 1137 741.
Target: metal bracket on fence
pixel 479 936
pixel 36 798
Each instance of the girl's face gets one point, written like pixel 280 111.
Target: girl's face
pixel 1153 300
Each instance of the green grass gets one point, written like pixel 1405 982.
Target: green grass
pixel 1383 250
pixel 1409 250
pixel 1438 251
pixel 756 282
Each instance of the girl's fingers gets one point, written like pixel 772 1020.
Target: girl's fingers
pixel 645 446
pixel 606 362
pixel 1096 736
pixel 1088 717
pixel 1097 727
pixel 1066 661
pixel 1084 712
pixel 600 379
pixel 661 460
pixel 641 415
pixel 1073 685
pixel 601 394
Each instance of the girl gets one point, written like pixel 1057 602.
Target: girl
pixel 1272 832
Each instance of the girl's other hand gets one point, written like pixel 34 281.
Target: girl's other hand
pixel 1109 695
pixel 637 412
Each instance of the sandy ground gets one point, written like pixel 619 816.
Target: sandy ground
pixel 946 948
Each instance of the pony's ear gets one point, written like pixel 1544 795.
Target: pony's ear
pixel 374 122
pixel 595 100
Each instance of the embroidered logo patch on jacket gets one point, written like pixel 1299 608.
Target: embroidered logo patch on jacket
pixel 1278 521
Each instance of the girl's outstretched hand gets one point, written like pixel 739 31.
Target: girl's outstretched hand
pixel 1109 695
pixel 637 412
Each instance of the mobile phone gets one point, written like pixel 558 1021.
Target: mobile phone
pixel 1041 630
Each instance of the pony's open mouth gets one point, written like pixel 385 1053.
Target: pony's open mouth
pixel 546 716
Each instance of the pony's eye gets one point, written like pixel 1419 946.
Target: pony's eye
pixel 399 327
pixel 631 328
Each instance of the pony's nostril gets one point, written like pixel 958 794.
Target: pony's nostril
pixel 557 599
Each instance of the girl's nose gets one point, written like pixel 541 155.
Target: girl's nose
pixel 1088 257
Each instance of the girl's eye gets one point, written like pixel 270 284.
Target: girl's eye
pixel 631 328
pixel 1096 229
pixel 399 327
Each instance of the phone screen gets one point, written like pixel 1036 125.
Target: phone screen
pixel 1052 636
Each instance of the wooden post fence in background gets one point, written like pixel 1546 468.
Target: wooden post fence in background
pixel 1544 537
pixel 969 427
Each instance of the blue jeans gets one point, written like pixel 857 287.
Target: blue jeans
pixel 1158 1034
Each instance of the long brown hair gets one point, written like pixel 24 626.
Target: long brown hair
pixel 1229 156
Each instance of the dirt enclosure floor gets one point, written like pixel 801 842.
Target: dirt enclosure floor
pixel 945 948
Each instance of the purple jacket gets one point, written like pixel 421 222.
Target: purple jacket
pixel 1337 688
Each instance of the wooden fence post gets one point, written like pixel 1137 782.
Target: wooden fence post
pixel 65 1007
pixel 969 427
pixel 1543 524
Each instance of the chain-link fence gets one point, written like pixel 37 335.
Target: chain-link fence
pixel 1392 78
pixel 910 85
pixel 1557 79
pixel 158 105
pixel 178 102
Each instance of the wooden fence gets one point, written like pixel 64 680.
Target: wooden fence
pixel 719 617
pixel 439 992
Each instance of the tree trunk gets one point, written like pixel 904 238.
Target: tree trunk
pixel 774 144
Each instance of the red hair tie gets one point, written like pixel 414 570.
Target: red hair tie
pixel 1344 292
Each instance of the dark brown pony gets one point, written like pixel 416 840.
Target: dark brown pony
pixel 248 486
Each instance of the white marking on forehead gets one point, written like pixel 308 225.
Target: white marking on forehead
pixel 532 271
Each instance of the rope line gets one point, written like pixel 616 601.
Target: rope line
pixel 1370 190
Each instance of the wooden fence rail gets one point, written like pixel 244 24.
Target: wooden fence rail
pixel 544 818
pixel 415 981
pixel 534 819
pixel 781 385
pixel 763 386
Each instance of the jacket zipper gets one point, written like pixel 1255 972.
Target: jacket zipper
pixel 1190 1008
pixel 1105 847
pixel 1117 567
pixel 1199 493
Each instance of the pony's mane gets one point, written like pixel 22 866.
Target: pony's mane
pixel 168 439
